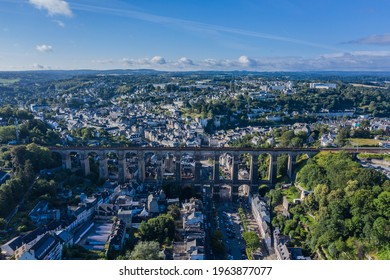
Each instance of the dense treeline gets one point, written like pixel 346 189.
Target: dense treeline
pixel 348 214
pixel 29 130
pixel 374 101
pixel 26 162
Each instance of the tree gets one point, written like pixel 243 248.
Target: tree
pixel 27 174
pixel 7 133
pixel 3 224
pixel 174 211
pixel 342 135
pixel 263 189
pixel 19 156
pixel 40 157
pixel 381 228
pixel 217 244
pixel 382 203
pixel 172 190
pixel 161 229
pixel 296 142
pixel 252 240
pixel 282 162
pixel 285 139
pixel 145 250
pixel 310 203
pixel 311 175
pixel 370 177
pixel 44 187
pixel 276 196
pixel 264 160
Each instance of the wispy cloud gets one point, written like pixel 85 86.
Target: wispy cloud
pixel 37 66
pixel 44 48
pixel 383 39
pixel 60 23
pixel 103 61
pixel 53 7
pixel 197 26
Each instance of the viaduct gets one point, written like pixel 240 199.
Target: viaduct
pixel 169 161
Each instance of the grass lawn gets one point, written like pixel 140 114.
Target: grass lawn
pixel 374 156
pixel 186 113
pixel 364 142
pixel 291 193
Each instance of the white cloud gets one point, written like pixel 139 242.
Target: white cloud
pixel 371 53
pixel 218 64
pixel 246 61
pixel 126 61
pixel 53 7
pixel 185 61
pixel 158 60
pixel 383 39
pixel 44 48
pixel 348 61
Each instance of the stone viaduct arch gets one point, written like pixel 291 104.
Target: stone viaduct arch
pixel 183 165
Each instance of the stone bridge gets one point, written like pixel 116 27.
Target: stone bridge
pixel 184 165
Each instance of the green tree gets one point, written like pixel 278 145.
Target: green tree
pixel 381 228
pixel 282 162
pixel 264 160
pixel 146 250
pixel 342 136
pixel 382 203
pixel 296 142
pixel 276 196
pixel 285 139
pixel 160 229
pixel 263 189
pixel 311 175
pixel 44 187
pixel 7 133
pixel 252 240
pixel 174 211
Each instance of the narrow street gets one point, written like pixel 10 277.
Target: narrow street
pixel 230 225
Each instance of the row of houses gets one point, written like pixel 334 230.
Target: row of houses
pixel 261 214
pixel 52 231
pixel 192 232
pixel 285 252
pixel 43 243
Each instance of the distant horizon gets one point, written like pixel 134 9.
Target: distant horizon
pixel 195 35
pixel 194 71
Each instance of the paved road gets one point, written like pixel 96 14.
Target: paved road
pixel 229 223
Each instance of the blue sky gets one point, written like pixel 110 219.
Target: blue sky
pixel 261 35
